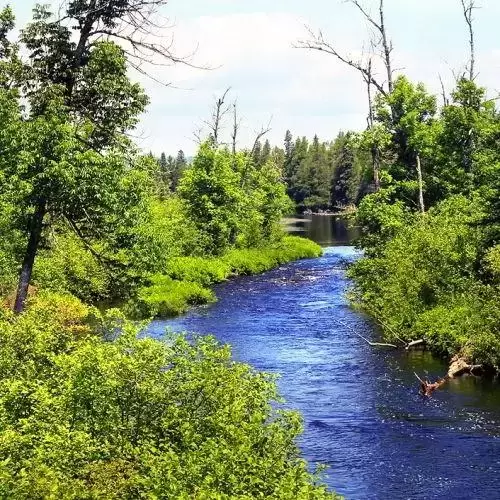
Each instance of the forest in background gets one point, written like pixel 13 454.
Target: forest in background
pixel 319 176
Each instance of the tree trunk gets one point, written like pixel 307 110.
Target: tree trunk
pixel 376 167
pixel 387 47
pixel 420 186
pixel 29 257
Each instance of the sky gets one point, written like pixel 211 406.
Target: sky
pixel 248 46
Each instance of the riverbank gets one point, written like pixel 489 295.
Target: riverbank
pixel 432 277
pixel 187 280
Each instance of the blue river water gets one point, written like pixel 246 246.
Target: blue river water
pixel 362 412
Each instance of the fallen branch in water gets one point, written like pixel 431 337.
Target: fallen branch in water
pixel 427 388
pixel 415 343
pixel 373 344
pixel 376 344
pixel 458 367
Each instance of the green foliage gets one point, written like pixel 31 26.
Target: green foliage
pixel 211 189
pixel 186 279
pixel 253 261
pixel 166 297
pixel 265 203
pixel 424 283
pixel 379 220
pixel 325 175
pixel 68 266
pixel 434 276
pixel 492 263
pixel 202 270
pixel 85 416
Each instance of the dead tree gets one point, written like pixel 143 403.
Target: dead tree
pixel 421 204
pixel 374 150
pixel 443 92
pixel 219 111
pixel 384 43
pixel 236 128
pixel 381 45
pixel 317 41
pixel 468 7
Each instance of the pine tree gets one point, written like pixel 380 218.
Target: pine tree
pixel 266 153
pixel 178 167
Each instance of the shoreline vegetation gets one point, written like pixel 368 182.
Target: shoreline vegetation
pixel 187 280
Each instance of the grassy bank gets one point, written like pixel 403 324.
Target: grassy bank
pixel 187 280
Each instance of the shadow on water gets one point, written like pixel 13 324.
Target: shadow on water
pixel 326 230
pixel 363 415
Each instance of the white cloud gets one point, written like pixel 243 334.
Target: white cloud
pixel 253 54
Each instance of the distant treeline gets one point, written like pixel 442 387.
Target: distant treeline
pixel 318 175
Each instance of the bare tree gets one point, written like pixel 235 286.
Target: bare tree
pixel 317 41
pixel 468 7
pixel 219 111
pixel 384 42
pixel 443 92
pixel 236 128
pixel 381 45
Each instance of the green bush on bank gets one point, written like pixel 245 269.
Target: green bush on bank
pixel 187 278
pixel 166 297
pixel 202 270
pixel 424 283
pixel 257 260
pixel 85 417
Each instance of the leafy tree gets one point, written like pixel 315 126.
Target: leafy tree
pixel 212 191
pixel 81 103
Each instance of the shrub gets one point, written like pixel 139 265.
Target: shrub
pixel 83 417
pixel 257 260
pixel 166 297
pixel 204 271
pixel 423 283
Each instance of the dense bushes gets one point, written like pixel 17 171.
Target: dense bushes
pixel 88 410
pixel 432 281
pixel 187 277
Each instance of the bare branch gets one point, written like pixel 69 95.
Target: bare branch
pixel 220 109
pixel 443 92
pixel 387 46
pixel 468 7
pixel 318 42
pixel 260 135
pixel 365 13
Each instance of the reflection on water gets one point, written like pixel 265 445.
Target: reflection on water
pixel 326 230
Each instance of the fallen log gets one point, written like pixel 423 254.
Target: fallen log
pixel 376 344
pixel 458 367
pixel 415 343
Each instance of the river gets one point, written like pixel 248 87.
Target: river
pixel 363 415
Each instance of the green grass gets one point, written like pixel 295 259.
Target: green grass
pixel 187 279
